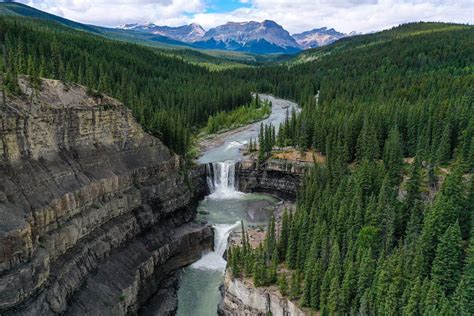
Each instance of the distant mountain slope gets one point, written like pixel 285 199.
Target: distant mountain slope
pixel 317 37
pixel 380 38
pixel 185 33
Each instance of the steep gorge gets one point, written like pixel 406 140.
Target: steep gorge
pixel 96 213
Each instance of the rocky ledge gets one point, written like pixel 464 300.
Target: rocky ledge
pixel 242 298
pixel 277 177
pixel 95 213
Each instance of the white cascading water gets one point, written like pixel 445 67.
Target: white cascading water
pixel 214 260
pixel 221 180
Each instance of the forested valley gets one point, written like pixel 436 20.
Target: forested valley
pixel 385 226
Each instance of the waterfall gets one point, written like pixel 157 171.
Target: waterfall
pixel 214 260
pixel 221 180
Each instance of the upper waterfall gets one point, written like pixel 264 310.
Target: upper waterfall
pixel 221 180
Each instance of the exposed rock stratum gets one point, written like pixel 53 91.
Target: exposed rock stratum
pixel 95 213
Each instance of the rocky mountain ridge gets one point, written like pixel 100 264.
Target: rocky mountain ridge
pixel 254 37
pixel 318 37
pixel 185 33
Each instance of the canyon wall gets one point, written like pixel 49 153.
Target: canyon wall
pixel 242 298
pixel 276 177
pixel 95 213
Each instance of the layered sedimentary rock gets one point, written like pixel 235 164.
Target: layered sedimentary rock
pixel 94 212
pixel 274 177
pixel 242 298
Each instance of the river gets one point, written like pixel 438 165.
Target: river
pixel 224 208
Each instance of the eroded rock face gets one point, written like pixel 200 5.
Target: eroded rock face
pixel 241 298
pixel 94 212
pixel 275 177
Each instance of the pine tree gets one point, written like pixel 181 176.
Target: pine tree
pixel 316 285
pixel 434 298
pixel 283 284
pixel 284 235
pixel 445 211
pixel 245 245
pixel 366 272
pixel 261 145
pixel 57 65
pixel 20 58
pixel 306 296
pixel 259 270
pixel 446 270
pixel 393 155
pixel 413 305
pixel 270 239
pixel 334 296
pixel 367 143
pixel 348 288
pixel 465 292
pixel 443 151
pixel 295 285
pixel 291 253
pixel 273 269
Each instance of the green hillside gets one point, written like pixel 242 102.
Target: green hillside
pixel 380 38
pixel 146 39
pixel 384 226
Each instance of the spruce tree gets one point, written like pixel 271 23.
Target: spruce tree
pixel 446 270
pixel 413 305
pixel 466 293
pixel 292 249
pixel 270 239
pixel 306 296
pixel 261 145
pixel 393 155
pixel 295 285
pixel 283 284
pixel 443 151
pixel 284 235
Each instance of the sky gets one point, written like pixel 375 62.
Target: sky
pixel 294 15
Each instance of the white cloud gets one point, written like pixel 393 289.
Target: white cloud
pixel 113 13
pixel 294 15
pixel 346 15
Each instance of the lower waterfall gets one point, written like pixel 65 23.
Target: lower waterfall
pixel 214 260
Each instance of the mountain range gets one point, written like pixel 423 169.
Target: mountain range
pixel 243 39
pixel 265 37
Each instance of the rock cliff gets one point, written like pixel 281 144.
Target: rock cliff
pixel 242 298
pixel 275 177
pixel 95 213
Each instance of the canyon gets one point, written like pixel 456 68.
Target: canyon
pixel 96 213
pixel 99 216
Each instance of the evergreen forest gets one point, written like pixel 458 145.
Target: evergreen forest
pixel 384 227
